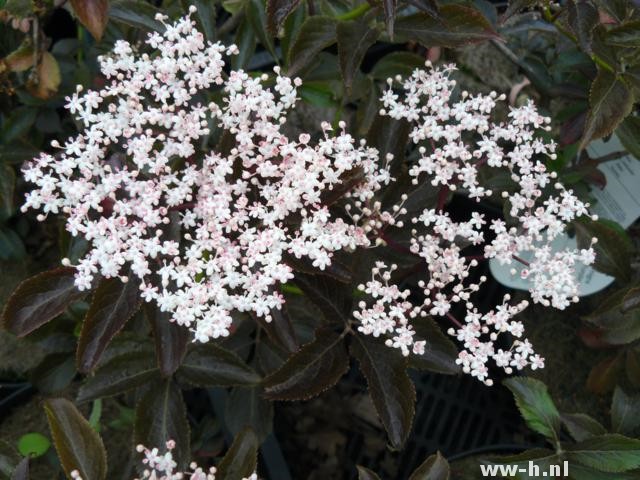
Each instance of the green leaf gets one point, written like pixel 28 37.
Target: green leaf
pixel 246 42
pixel 516 6
pixel 171 340
pixel 246 407
pixel 366 474
pixel 277 13
pixel 93 14
pixel 206 11
pixel 580 472
pixel 18 123
pixel 354 39
pixel 78 445
pixel 440 353
pixel 583 18
pixel 625 35
pixel 211 365
pixel 629 134
pixel 135 13
pixel 460 25
pixel 435 467
pixel 535 405
pixel 122 373
pixel 33 445
pixel 608 453
pixel 315 34
pixel 112 305
pixel 161 415
pixel 255 12
pixel 581 426
pixel 613 249
pixel 40 299
pixel 241 459
pixel 390 387
pixel 396 63
pixel 611 101
pixel 314 368
pixel 625 412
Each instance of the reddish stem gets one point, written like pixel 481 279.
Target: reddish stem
pixel 454 320
pixel 521 260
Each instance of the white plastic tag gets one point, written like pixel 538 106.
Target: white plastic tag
pixel 618 201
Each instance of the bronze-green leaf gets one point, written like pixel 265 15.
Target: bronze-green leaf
pixel 458 25
pixel 440 353
pixel 246 407
pixel 314 368
pixel 581 426
pixel 277 13
pixel 78 445
pixel 354 39
pixel 242 457
pixel 366 474
pixel 40 299
pixel 161 415
pixel 113 303
pixel 44 84
pixel 316 33
pixel 435 467
pixel 611 101
pixel 93 14
pixel 583 17
pixel 213 366
pixel 625 411
pixel 613 249
pixel 122 373
pixel 170 338
pixel 390 387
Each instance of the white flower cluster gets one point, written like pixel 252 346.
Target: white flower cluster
pixel 203 236
pixel 159 466
pixel 456 138
pixel 207 235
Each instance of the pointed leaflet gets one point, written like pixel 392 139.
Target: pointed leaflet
pixel 113 303
pixel 170 338
pixel 313 369
pixel 213 366
pixel 241 459
pixel 613 250
pixel 435 467
pixel 122 373
pixel 581 426
pixel 280 329
pixel 161 415
pixel 315 34
pixel 390 387
pixel 136 13
pixel 535 405
pixel 366 474
pixel 255 12
pixel 611 101
pixel 245 407
pixel 625 35
pixel 331 297
pixel 277 13
pixel 609 453
pixel 459 25
pixel 78 445
pixel 93 14
pixel 40 299
pixel 625 412
pixel 515 6
pixel 583 17
pixel 354 39
pixel 629 134
pixel 440 353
